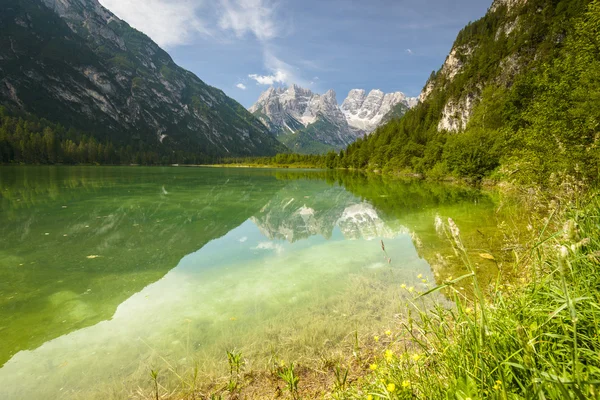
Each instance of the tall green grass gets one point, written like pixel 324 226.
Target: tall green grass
pixel 533 336
pixel 535 341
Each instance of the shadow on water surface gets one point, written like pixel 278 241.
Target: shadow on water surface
pixel 77 242
pixel 129 261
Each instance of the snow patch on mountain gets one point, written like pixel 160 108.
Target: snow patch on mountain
pixel 366 112
pixel 290 110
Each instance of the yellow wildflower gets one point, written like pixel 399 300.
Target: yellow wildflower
pixel 498 382
pixel 424 280
pixel 420 276
pixel 369 397
pixel 416 357
pixel 411 289
pixel 403 286
pixel 391 387
pixel 376 338
pixel 389 355
pixel 388 332
pixel 373 367
pixel 405 384
pixel 469 310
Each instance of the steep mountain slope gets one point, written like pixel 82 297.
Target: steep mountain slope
pixel 305 121
pixel 366 112
pixel 75 63
pixel 519 94
pixel 311 123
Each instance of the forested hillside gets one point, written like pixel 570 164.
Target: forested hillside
pixel 31 140
pixel 74 63
pixel 518 97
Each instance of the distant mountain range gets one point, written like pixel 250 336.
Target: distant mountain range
pixel 75 63
pixel 307 122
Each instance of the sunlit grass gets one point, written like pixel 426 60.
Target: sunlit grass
pixel 536 341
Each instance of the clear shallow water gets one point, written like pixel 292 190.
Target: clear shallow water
pixel 106 272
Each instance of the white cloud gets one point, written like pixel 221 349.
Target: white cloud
pixel 281 72
pixel 177 22
pixel 249 16
pixel 277 77
pixel 167 22
pixel 277 248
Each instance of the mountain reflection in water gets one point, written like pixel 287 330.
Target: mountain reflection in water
pixel 140 262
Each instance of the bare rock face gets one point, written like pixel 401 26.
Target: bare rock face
pixel 74 62
pixel 426 91
pixel 366 112
pixel 456 114
pixel 457 111
pixel 510 4
pixel 293 110
pixel 289 109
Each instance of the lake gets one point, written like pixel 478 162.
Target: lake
pixel 108 272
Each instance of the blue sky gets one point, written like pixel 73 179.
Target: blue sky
pixel 244 46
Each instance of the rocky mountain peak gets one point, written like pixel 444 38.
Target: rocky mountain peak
pixel 354 101
pixel 294 109
pixel 365 112
pixel 331 96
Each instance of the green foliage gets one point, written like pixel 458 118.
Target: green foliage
pixel 341 377
pixel 33 141
pixel 236 362
pixel 474 153
pixel 119 87
pixel 533 125
pixel 288 375
pixel 312 139
pixel 282 160
pixel 154 375
pixel 531 342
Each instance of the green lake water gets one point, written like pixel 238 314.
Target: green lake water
pixel 106 272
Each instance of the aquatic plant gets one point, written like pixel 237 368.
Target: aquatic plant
pixel 234 358
pixel 537 340
pixel 288 375
pixel 154 375
pixel 236 362
pixel 341 377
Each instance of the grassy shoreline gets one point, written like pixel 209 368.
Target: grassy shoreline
pixel 537 340
pixel 534 338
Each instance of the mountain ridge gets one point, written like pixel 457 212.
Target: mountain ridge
pixel 75 63
pixel 516 99
pixel 308 122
